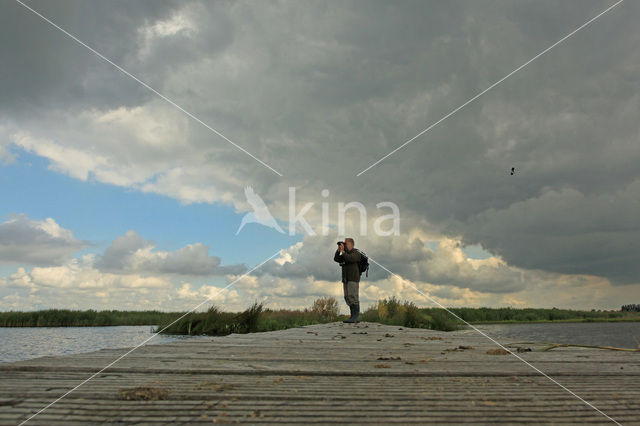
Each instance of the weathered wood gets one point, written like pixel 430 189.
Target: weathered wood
pixel 344 373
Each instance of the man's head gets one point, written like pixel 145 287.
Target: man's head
pixel 349 243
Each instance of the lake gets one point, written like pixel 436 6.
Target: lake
pixel 18 343
pixel 31 342
pixel 616 334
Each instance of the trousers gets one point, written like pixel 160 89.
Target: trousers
pixel 350 289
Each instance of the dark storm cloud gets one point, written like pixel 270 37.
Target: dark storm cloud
pixel 43 68
pixel 566 122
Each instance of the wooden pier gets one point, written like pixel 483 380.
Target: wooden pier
pixel 342 373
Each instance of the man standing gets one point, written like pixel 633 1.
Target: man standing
pixel 349 258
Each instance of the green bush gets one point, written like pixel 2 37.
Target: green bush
pixel 326 308
pixel 394 312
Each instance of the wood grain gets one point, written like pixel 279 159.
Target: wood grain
pixel 326 374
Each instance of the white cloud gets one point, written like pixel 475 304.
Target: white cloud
pixel 169 27
pixel 132 253
pixel 224 298
pixel 79 284
pixel 80 274
pixel 306 270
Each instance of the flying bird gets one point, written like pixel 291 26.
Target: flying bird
pixel 260 212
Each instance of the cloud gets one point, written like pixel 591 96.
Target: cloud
pixel 558 219
pixel 320 91
pixel 447 269
pixel 79 284
pixel 224 298
pixel 37 242
pixel 132 253
pixel 80 274
pixel 493 284
pixel 445 275
pixel 130 274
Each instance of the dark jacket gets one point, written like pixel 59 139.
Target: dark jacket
pixel 349 262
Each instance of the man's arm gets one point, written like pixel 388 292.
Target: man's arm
pixel 338 257
pixel 353 257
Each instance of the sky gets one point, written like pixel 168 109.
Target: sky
pixel 125 181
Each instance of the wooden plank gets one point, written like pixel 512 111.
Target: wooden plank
pixel 353 373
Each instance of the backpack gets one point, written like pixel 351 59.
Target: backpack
pixel 363 265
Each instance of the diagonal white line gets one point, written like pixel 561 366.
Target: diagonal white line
pixel 150 88
pixel 491 87
pixel 154 335
pixel 496 342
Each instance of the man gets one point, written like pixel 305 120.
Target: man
pixel 348 258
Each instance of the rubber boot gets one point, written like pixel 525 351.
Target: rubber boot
pixel 356 312
pixel 350 319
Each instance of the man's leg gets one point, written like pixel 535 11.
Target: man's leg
pixel 345 290
pixel 356 303
pixel 351 297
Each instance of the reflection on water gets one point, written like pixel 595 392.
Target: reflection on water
pixel 18 343
pixel 617 334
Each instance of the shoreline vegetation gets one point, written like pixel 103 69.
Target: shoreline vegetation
pixel 258 318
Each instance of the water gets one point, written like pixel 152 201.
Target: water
pixel 616 334
pixel 18 343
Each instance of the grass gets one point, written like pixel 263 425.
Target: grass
pixel 88 318
pixel 393 312
pixel 258 318
pixel 512 315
